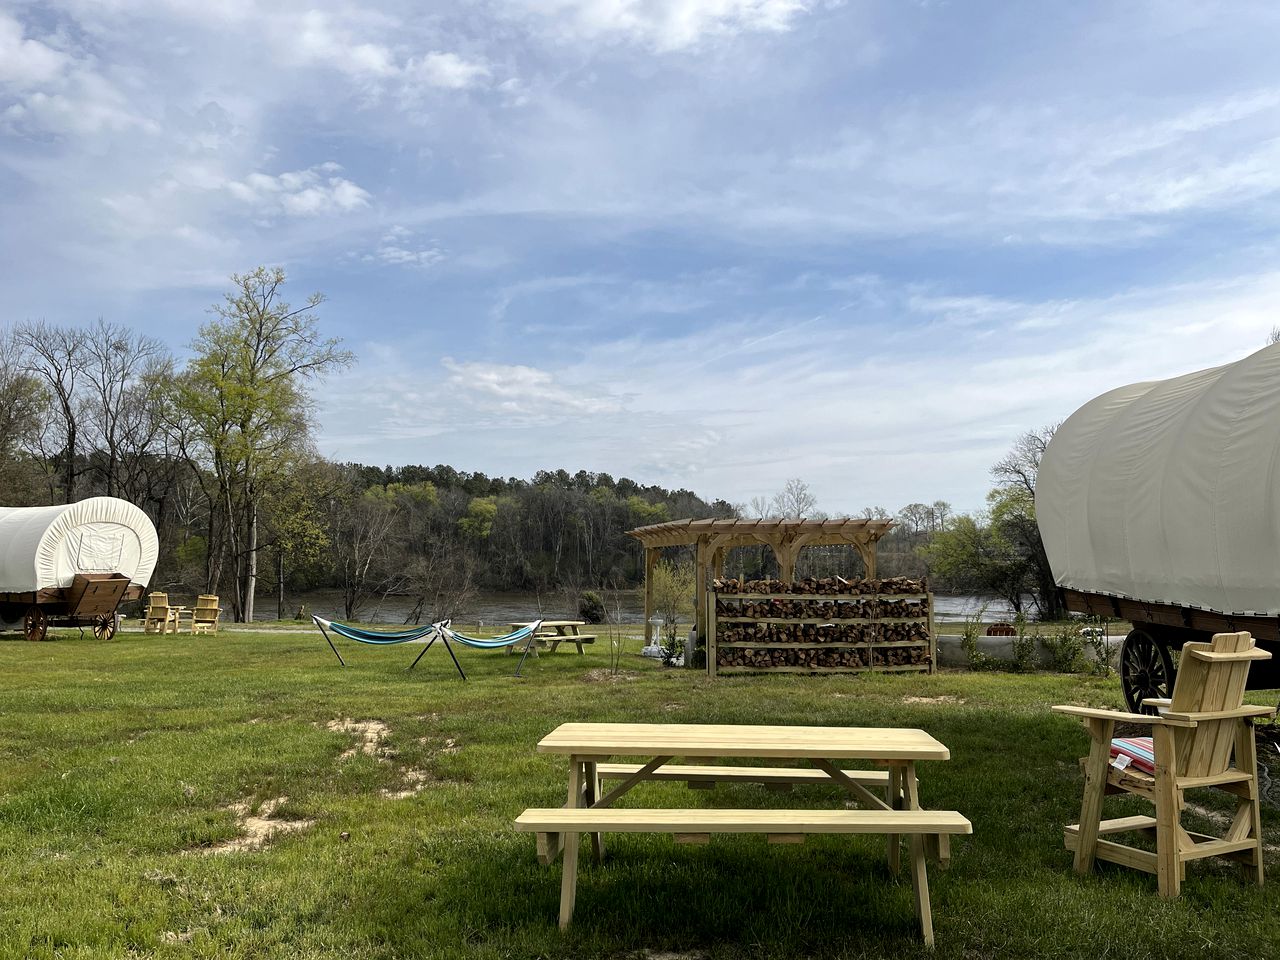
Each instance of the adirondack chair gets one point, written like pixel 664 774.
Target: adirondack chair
pixel 1196 736
pixel 204 616
pixel 160 616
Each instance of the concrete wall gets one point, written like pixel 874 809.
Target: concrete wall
pixel 951 650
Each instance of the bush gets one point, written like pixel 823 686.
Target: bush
pixel 591 607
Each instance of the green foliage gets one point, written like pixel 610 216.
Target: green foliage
pixel 673 586
pixel 591 607
pixel 1024 645
pixel 970 631
pixel 1065 647
pixel 478 522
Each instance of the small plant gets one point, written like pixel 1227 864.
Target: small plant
pixel 614 634
pixel 1024 645
pixel 672 650
pixel 969 635
pixel 591 607
pixel 1097 638
pixel 1066 649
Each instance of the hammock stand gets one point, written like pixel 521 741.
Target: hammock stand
pixel 438 631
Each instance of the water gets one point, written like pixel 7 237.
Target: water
pixel 516 607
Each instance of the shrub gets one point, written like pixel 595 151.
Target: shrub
pixel 591 607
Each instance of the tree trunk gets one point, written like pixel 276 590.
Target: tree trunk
pixel 251 557
pixel 280 583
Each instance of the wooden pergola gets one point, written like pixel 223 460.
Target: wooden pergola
pixel 712 538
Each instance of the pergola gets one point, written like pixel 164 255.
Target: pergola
pixel 787 538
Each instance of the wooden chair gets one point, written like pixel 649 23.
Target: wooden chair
pixel 204 616
pixel 1196 736
pixel 160 616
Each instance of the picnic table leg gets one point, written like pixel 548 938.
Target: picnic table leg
pixel 895 801
pixel 919 879
pixel 591 774
pixel 569 879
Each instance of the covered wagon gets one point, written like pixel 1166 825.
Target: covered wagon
pixel 1159 503
pixel 73 564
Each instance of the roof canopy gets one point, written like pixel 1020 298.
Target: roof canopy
pixel 738 533
pixel 1166 491
pixel 45 547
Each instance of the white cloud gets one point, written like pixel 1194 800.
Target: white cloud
pixel 667 25
pixel 24 61
pixel 398 248
pixel 527 395
pixel 447 71
pixel 300 193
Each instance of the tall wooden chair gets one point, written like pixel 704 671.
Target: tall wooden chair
pixel 160 616
pixel 1196 736
pixel 204 616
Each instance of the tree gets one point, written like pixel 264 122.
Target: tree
pixel 244 412
pixel 673 588
pixel 55 355
pixel 1014 511
pixel 795 500
pixel 24 404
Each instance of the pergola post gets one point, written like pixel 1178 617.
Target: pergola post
pixel 701 561
pixel 650 561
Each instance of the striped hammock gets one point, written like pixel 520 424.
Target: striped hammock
pixel 437 631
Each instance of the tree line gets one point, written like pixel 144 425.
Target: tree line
pixel 218 451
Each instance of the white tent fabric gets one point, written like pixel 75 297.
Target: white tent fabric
pixel 1167 491
pixel 45 547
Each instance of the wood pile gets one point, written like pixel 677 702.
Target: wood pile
pixel 823 586
pixel 767 658
pixel 759 626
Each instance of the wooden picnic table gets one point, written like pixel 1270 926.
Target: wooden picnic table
pixel 555 632
pixel 894 751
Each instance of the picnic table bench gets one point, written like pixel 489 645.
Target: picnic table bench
pixel 589 809
pixel 552 633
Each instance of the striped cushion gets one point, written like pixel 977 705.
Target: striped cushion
pixel 1139 750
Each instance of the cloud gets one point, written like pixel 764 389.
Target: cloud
pixel 446 71
pixel 667 25
pixel 24 61
pixel 398 248
pixel 300 193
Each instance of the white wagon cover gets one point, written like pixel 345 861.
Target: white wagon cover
pixel 45 547
pixel 1169 491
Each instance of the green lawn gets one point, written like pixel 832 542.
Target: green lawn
pixel 121 762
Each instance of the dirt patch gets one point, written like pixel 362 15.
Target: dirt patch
pixel 604 675
pixel 372 736
pixel 945 698
pixel 415 781
pixel 256 829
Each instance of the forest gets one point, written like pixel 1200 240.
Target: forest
pixel 218 451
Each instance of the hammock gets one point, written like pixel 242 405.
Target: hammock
pixel 437 631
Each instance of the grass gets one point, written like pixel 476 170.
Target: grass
pixel 120 761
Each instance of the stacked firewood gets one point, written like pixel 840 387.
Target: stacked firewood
pixel 767 658
pixel 802 632
pixel 823 586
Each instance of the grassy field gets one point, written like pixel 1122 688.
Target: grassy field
pixel 124 763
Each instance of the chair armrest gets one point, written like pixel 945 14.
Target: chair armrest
pixel 1094 713
pixel 1248 710
pixel 1157 702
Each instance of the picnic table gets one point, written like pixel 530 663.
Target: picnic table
pixel 555 632
pixel 895 753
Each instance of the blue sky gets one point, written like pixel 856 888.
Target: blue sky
pixel 703 243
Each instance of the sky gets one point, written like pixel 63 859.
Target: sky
pixel 711 244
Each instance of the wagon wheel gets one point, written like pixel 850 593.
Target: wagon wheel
pixel 35 624
pixel 1146 670
pixel 104 627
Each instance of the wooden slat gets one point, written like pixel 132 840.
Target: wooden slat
pixel 744 740
pixel 717 774
pixel 1096 713
pixel 632 820
pixel 1143 860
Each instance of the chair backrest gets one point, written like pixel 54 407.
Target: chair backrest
pixel 206 607
pixel 158 602
pixel 1212 678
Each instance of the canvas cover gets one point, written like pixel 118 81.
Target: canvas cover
pixel 1166 491
pixel 45 547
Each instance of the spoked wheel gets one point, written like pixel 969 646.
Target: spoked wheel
pixel 104 627
pixel 1146 670
pixel 35 624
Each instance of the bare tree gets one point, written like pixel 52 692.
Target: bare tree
pixel 56 355
pixel 1020 466
pixel 1273 336
pixel 117 408
pixel 795 500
